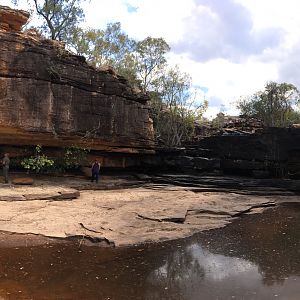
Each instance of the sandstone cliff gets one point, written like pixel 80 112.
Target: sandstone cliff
pixel 51 97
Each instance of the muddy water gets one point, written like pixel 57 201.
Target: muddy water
pixel 256 257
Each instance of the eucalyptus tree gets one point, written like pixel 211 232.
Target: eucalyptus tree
pixel 59 16
pixel 110 46
pixel 275 105
pixel 175 107
pixel 150 55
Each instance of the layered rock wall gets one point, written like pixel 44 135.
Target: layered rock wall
pixel 270 152
pixel 49 96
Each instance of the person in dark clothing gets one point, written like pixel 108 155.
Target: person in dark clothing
pixel 95 170
pixel 5 164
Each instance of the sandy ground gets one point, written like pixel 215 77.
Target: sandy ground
pixel 118 217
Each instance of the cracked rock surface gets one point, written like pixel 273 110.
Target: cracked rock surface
pixel 124 216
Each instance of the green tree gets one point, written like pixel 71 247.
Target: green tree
pixel 219 120
pixel 275 105
pixel 59 16
pixel 110 47
pixel 175 108
pixel 150 60
pixel 140 62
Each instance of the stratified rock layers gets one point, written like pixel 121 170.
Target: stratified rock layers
pixel 51 97
pixel 12 20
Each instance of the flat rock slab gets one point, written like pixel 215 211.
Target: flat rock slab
pixel 42 196
pixel 23 181
pixel 127 216
pixel 68 194
pixel 12 198
pixel 160 209
pixel 22 193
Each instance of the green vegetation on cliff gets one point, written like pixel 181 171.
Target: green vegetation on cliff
pixel 274 106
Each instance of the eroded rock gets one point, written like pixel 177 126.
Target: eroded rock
pixel 65 101
pixel 127 216
pixel 11 19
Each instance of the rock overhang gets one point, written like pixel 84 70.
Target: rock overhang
pixel 12 19
pixel 52 97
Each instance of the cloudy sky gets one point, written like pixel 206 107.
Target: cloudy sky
pixel 231 48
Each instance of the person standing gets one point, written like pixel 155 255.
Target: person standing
pixel 5 164
pixel 95 170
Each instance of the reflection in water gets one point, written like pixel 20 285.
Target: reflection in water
pixel 219 267
pixel 257 257
pixel 200 272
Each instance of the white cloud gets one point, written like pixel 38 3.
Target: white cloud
pixel 154 18
pixel 227 78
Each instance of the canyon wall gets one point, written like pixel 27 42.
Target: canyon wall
pixel 52 97
pixel 268 152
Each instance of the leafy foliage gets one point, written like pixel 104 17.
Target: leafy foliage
pixel 59 16
pixel 74 157
pixel 150 60
pixel 275 105
pixel 37 163
pixel 141 62
pixel 173 105
pixel 175 109
pixel 110 47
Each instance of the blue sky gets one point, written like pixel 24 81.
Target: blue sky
pixel 231 48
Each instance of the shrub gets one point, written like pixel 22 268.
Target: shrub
pixel 38 162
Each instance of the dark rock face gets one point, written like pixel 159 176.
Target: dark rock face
pixel 273 151
pixel 53 98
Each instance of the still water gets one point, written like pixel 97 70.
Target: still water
pixel 256 257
